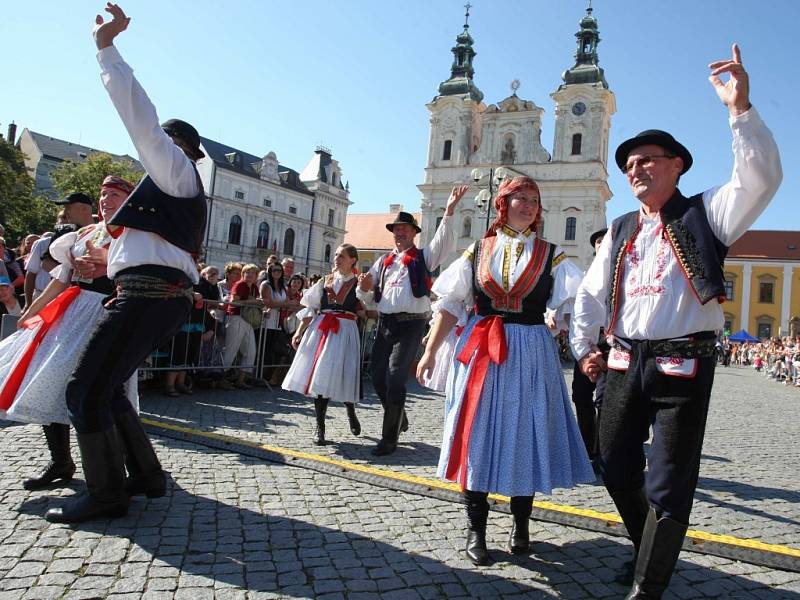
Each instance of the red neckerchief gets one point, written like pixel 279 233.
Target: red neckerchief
pixel 409 257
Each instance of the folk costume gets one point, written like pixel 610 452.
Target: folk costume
pixel 37 360
pixel 326 364
pixel 152 264
pixel 657 284
pixel 402 294
pixel 437 380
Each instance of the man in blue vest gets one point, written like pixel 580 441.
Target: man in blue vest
pixel 400 282
pixel 157 234
pixel 657 284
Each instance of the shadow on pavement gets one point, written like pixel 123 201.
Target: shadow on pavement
pixel 746 493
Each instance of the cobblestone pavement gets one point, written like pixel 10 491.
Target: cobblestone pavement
pixel 233 526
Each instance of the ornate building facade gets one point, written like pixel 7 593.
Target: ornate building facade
pixel 469 137
pixel 258 207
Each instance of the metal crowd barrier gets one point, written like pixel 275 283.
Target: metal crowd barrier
pixel 187 351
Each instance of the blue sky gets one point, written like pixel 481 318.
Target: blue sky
pixel 355 75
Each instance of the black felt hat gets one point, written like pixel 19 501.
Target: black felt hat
pixel 597 234
pixel 75 198
pixel 184 131
pixel 404 218
pixel 655 137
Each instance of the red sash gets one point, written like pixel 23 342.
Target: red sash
pixel 329 324
pixel 487 341
pixel 49 315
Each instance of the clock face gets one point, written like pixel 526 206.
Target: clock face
pixel 578 109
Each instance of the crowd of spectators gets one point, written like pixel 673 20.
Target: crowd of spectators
pixel 777 358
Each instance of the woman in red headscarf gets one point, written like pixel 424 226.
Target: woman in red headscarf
pixel 509 427
pixel 37 361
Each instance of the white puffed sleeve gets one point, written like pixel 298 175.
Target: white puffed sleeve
pixel 566 279
pixel 60 249
pixel 312 298
pixel 454 286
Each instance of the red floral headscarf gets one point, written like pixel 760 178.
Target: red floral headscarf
pixel 506 190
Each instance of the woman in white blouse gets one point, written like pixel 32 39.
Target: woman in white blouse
pixel 326 365
pixel 509 427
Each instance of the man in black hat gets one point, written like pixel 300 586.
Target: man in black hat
pixel 157 234
pixel 400 282
pixel 656 284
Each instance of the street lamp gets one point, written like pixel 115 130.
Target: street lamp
pixel 484 200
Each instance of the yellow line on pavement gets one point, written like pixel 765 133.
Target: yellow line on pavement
pixel 697 537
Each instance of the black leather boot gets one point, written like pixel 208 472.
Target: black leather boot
pixel 633 508
pixel 661 544
pixel 519 540
pixel 355 426
pixel 145 475
pixel 477 514
pixel 104 470
pixel 320 408
pixel 392 418
pixel 60 467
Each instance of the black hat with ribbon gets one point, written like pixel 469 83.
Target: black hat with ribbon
pixel 182 129
pixel 655 137
pixel 404 218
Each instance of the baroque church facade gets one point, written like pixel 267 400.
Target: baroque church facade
pixel 472 142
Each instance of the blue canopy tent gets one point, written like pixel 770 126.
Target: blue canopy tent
pixel 742 336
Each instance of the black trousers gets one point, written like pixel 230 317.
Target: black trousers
pixel 583 399
pixel 395 348
pixel 677 408
pixel 121 341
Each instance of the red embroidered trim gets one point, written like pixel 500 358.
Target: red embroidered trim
pixel 511 301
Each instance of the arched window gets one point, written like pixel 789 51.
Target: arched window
pixel 576 143
pixel 569 233
pixel 327 253
pixel 288 242
pixel 448 149
pixel 466 227
pixel 263 236
pixel 235 230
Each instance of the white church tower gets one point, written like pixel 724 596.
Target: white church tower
pixel 467 137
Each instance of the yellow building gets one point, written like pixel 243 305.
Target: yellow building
pixel 762 274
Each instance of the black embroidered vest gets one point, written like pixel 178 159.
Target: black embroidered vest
pixel 530 310
pixel 180 221
pixel 700 255
pixel 418 276
pixel 348 303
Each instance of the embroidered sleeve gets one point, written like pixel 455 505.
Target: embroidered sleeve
pixel 454 287
pixel 566 279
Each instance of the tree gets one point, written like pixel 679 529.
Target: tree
pixel 88 175
pixel 21 212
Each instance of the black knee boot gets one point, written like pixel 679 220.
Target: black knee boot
pixel 60 466
pixel 633 508
pixel 392 420
pixel 104 470
pixel 477 514
pixel 519 540
pixel 145 475
pixel 661 544
pixel 355 426
pixel 320 408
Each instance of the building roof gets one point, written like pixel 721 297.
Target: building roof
pixel 62 150
pixel 368 231
pixel 767 245
pixel 244 163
